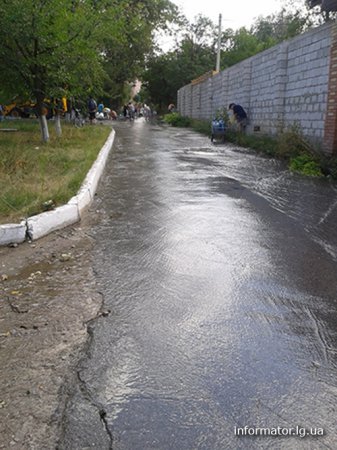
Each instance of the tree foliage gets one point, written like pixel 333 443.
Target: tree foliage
pixel 193 55
pixel 46 45
pixel 125 52
pixel 75 47
pixel 317 12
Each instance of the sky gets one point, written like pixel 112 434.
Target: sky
pixel 235 13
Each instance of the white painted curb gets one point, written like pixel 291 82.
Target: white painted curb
pixel 42 224
pixel 13 233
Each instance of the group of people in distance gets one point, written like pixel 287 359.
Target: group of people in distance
pixel 99 111
pixel 237 115
pixel 129 111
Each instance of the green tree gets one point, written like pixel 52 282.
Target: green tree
pixel 193 56
pixel 125 52
pixel 57 47
pixel 47 45
pixel 264 33
pixel 239 45
pixel 278 27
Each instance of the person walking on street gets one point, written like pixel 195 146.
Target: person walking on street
pixel 146 112
pixel 131 111
pixel 92 108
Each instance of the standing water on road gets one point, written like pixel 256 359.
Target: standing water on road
pixel 219 271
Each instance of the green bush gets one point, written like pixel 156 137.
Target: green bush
pixel 305 165
pixel 262 144
pixel 176 120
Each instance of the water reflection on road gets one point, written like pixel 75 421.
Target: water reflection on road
pixel 219 268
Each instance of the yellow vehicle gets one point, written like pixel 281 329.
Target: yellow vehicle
pixel 28 108
pixel 19 109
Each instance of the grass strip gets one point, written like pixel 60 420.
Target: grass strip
pixel 35 174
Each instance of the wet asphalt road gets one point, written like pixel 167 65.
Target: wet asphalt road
pixel 219 270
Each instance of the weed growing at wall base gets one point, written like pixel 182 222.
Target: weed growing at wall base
pixel 304 164
pixel 261 144
pixel 290 145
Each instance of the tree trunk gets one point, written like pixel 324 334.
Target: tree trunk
pixel 58 127
pixel 44 128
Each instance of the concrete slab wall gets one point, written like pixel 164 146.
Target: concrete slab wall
pixel 285 85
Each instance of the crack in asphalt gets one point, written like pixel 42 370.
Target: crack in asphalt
pixel 103 415
pixel 84 389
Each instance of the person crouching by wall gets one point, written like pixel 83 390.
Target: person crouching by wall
pixel 113 115
pixel 239 115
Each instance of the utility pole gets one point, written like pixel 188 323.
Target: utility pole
pixel 219 46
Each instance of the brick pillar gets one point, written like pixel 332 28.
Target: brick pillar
pixel 180 101
pixel 247 88
pixel 224 90
pixel 330 126
pixel 189 100
pixel 280 85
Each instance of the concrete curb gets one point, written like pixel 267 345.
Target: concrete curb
pixel 13 233
pixel 42 224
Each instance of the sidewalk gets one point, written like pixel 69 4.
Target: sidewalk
pixel 48 295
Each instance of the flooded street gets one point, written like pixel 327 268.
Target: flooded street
pixel 218 272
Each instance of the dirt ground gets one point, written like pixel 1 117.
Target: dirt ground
pixel 48 295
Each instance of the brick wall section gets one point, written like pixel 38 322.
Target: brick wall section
pixel 264 93
pixel 306 92
pixel 291 83
pixel 330 128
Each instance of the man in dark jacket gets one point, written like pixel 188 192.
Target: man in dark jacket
pixel 92 108
pixel 240 115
